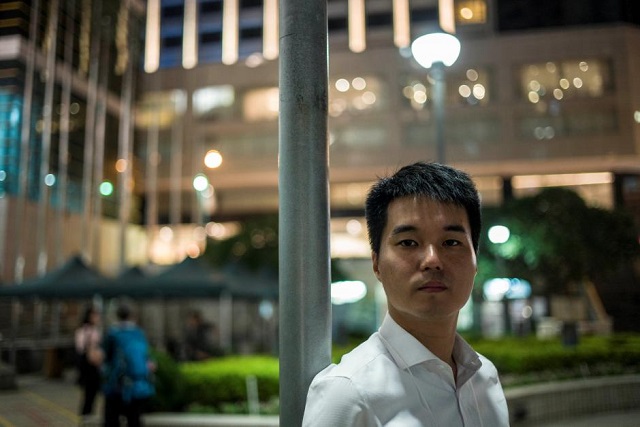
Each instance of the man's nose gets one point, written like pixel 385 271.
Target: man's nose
pixel 431 258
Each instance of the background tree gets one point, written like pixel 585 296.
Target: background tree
pixel 558 242
pixel 255 246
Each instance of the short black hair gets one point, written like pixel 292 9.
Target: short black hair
pixel 435 181
pixel 124 311
pixel 88 312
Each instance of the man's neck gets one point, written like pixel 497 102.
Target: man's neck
pixel 437 336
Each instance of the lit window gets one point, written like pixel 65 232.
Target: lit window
pixel 575 79
pixel 212 100
pixel 356 95
pixel 468 88
pixel 160 108
pixel 471 12
pixel 261 104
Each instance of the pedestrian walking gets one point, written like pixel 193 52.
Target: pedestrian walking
pixel 128 371
pixel 89 356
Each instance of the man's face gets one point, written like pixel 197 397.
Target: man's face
pixel 426 261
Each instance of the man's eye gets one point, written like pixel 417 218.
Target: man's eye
pixel 451 242
pixel 407 243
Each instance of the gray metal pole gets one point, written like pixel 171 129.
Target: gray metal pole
pixel 305 308
pixel 439 87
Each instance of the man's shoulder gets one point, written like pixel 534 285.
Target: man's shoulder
pixel 362 360
pixel 487 364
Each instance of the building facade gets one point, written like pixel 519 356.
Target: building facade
pixel 531 102
pixel 68 71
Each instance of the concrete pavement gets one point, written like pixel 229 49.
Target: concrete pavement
pixel 39 401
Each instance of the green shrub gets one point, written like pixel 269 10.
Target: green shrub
pixel 594 355
pixel 221 381
pixel 170 386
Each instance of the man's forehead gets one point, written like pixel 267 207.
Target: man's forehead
pixel 420 200
pixel 411 209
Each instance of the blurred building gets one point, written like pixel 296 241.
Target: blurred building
pixel 68 71
pixel 149 125
pixel 540 96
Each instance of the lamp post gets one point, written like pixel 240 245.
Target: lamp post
pixel 434 51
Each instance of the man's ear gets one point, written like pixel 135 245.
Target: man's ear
pixel 374 260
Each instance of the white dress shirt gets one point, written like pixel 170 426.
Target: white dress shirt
pixel 393 380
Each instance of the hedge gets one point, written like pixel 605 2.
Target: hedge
pixel 224 379
pixel 220 384
pixel 513 356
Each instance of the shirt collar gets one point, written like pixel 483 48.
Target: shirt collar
pixel 407 351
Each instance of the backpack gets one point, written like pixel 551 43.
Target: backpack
pixel 126 371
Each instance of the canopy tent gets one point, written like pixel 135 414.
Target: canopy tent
pixel 246 284
pixel 73 280
pixel 190 278
pixel 132 273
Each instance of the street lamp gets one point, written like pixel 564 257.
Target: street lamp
pixel 434 51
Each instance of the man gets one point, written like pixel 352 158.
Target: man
pixel 424 225
pixel 199 342
pixel 88 337
pixel 128 370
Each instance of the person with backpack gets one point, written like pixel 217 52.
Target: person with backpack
pixel 128 371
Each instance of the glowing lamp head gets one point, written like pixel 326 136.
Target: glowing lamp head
pixel 435 47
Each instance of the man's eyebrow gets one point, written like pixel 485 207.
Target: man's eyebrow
pixel 405 228
pixel 402 228
pixel 456 228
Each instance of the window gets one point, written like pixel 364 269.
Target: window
pixel 246 150
pixel 469 88
pixel 471 12
pixel 213 101
pixel 261 104
pixel 160 108
pixel 562 80
pixel 358 138
pixel 469 133
pixel 543 127
pixel 356 95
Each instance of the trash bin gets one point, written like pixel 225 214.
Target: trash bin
pixel 53 363
pixel 570 335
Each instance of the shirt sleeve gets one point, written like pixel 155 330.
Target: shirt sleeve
pixel 336 402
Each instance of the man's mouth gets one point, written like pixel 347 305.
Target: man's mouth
pixel 432 287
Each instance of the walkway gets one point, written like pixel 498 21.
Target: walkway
pixel 40 402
